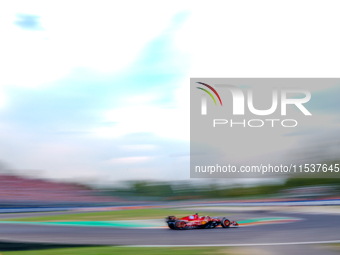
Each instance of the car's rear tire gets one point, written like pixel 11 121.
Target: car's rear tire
pixel 225 223
pixel 171 221
pixel 171 225
pixel 180 225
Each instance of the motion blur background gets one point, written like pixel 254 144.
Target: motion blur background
pixel 94 99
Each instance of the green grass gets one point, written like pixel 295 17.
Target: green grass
pixel 121 250
pixel 335 247
pixel 153 213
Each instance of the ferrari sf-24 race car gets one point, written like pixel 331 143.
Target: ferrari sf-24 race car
pixel 194 221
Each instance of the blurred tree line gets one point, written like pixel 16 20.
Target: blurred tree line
pixel 186 191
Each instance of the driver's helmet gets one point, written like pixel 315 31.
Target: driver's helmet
pixel 193 217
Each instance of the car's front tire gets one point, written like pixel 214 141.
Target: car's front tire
pixel 225 223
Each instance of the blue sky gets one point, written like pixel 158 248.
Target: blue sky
pixel 100 90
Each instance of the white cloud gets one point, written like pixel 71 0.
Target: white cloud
pixel 262 38
pixel 128 160
pixel 104 35
pixel 165 122
pixel 168 121
pixel 139 147
pixel 2 99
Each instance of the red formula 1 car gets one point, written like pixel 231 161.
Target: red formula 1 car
pixel 194 221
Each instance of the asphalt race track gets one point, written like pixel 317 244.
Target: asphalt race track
pixel 312 228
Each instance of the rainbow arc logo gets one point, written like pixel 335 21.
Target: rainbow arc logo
pixel 212 89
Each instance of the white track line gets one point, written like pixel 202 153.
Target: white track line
pixel 249 244
pixel 4 239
